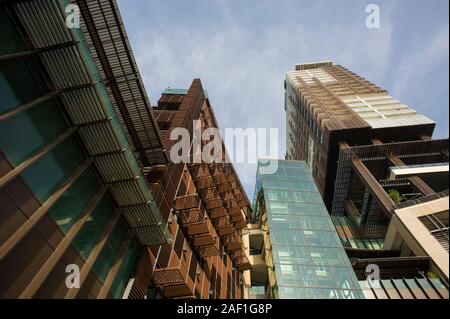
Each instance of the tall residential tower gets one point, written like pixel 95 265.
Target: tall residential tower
pixel 327 105
pixel 381 175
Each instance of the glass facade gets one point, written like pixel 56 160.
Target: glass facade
pixel 308 258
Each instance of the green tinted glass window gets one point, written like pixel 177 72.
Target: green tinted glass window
pixel 294 222
pixel 90 233
pixel 8 98
pixel 9 37
pixel 54 168
pixel 31 130
pixel 25 78
pixel 126 270
pixel 328 256
pixel 316 276
pixel 317 293
pixel 292 254
pixel 74 201
pixel 108 254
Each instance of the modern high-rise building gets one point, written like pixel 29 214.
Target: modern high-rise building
pixel 382 177
pixel 206 208
pixel 86 181
pixel 327 105
pixel 293 246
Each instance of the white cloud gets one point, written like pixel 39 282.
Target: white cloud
pixel 421 59
pixel 243 67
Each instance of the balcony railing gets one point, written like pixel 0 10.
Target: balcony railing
pixel 240 259
pixel 173 279
pixel 190 215
pixel 442 236
pixel 232 242
pixel 223 226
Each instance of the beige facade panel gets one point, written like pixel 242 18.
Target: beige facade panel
pixel 406 227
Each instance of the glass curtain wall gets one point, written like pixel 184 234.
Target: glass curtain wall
pixel 307 256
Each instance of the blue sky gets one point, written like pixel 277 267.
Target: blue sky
pixel 241 49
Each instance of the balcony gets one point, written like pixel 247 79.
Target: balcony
pixel 186 202
pixel 213 203
pixel 199 171
pixel 240 224
pixel 232 242
pixel 239 196
pixel 222 188
pixel 217 212
pixel 203 240
pixel 237 217
pixel 222 179
pixel 223 226
pixel 204 182
pixel 208 193
pixel 190 216
pixel 210 250
pixel 196 225
pixel 227 196
pixel 241 260
pixel 234 211
pixel 229 204
pixel 171 275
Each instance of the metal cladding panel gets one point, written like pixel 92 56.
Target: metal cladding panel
pixel 400 121
pixel 84 105
pixel 149 235
pixel 115 167
pixel 44 22
pixel 129 193
pixel 65 67
pixel 98 139
pixel 138 216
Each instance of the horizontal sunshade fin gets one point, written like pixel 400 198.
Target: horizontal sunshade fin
pixel 148 235
pixel 130 193
pixel 84 106
pixel 138 216
pixel 65 67
pixel 115 167
pixel 100 139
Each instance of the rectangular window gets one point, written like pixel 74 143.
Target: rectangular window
pixel 46 175
pixel 108 254
pixel 31 131
pixel 74 201
pixel 90 233
pixel 22 80
pixel 126 270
